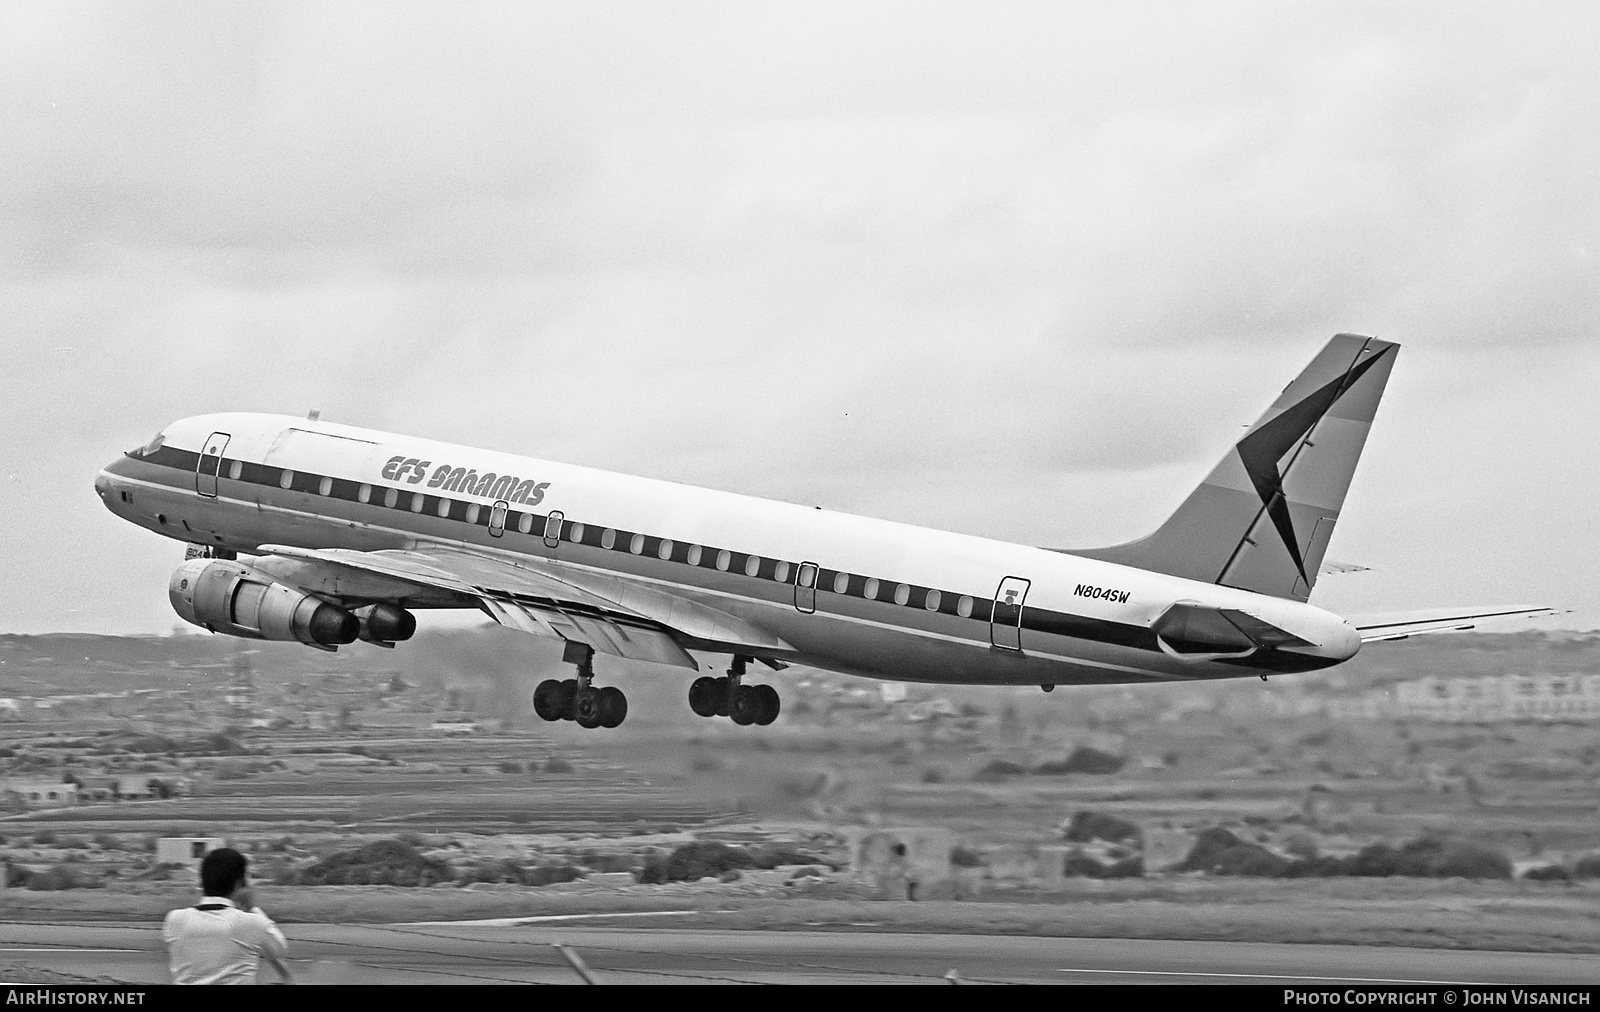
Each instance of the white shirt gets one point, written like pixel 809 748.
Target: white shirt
pixel 219 946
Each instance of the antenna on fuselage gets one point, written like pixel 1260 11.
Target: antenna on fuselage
pixel 314 414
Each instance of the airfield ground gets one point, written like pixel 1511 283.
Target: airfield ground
pixel 458 769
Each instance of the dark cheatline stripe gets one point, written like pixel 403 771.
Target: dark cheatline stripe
pixel 1037 620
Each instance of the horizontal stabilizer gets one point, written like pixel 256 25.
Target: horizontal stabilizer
pixel 1400 625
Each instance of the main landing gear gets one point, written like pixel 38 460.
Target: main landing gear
pixel 576 698
pixel 727 697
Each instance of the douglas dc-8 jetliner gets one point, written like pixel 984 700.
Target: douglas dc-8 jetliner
pixel 301 529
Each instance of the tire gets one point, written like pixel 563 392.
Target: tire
pixel 767 696
pixel 613 706
pixel 549 700
pixel 705 695
pixel 569 694
pixel 586 707
pixel 745 706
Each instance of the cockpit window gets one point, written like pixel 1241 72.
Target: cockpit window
pixel 148 448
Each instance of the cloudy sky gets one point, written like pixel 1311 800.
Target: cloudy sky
pixel 1013 269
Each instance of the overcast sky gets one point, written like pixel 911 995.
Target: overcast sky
pixel 1012 269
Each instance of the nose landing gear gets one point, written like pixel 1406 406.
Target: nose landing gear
pixel 577 699
pixel 729 697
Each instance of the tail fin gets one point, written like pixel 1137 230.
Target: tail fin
pixel 1262 518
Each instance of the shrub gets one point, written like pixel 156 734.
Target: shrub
pixel 1087 825
pixel 45 837
pixel 1588 866
pixel 966 857
pixel 390 862
pixel 1218 851
pixel 1548 873
pixel 549 874
pixel 105 841
pixel 510 766
pixel 1433 858
pixel 557 766
pixel 998 769
pixel 694 861
pixel 61 877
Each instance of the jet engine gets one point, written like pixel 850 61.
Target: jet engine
pixel 230 597
pixel 384 624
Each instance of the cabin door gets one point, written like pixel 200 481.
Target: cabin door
pixel 205 472
pixel 1005 623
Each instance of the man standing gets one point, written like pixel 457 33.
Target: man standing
pixel 225 937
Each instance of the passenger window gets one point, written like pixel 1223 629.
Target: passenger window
pixel 870 591
pixel 902 593
pixel 325 486
pixel 418 501
pixel 694 555
pixel 444 507
pixel 752 565
pixel 286 479
pixel 472 513
pixel 780 572
pixel 235 469
pixel 724 560
pixel 575 534
pixel 364 493
pixel 636 545
pixel 665 551
pixel 608 539
pixel 552 529
pixel 391 496
pixel 525 523
pixel 932 603
pixel 841 582
pixel 964 606
pixel 497 517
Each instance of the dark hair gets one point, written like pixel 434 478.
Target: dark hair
pixel 222 871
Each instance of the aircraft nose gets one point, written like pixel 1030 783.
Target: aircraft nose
pixel 102 484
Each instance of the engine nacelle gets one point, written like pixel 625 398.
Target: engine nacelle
pixel 386 624
pixel 230 597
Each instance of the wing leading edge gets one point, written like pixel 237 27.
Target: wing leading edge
pixel 611 614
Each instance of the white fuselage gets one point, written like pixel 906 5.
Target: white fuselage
pixel 892 601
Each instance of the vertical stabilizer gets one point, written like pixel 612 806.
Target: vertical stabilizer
pixel 1262 518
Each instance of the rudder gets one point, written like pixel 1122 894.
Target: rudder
pixel 1261 519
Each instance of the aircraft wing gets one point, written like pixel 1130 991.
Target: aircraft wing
pixel 1400 625
pixel 612 614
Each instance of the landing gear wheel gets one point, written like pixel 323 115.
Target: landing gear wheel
pixel 549 700
pixel 745 706
pixel 705 695
pixel 586 707
pixel 567 698
pixel 613 706
pixel 769 706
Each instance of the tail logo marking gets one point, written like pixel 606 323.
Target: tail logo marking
pixel 1262 449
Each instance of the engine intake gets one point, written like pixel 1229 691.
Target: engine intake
pixel 230 597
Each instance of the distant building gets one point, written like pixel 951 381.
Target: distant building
pixel 10 709
pixel 97 788
pixel 40 793
pixel 135 788
pixel 186 850
pixel 1500 697
pixel 454 726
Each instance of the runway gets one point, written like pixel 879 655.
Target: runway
pixel 656 953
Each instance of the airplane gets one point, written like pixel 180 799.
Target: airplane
pixel 305 530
